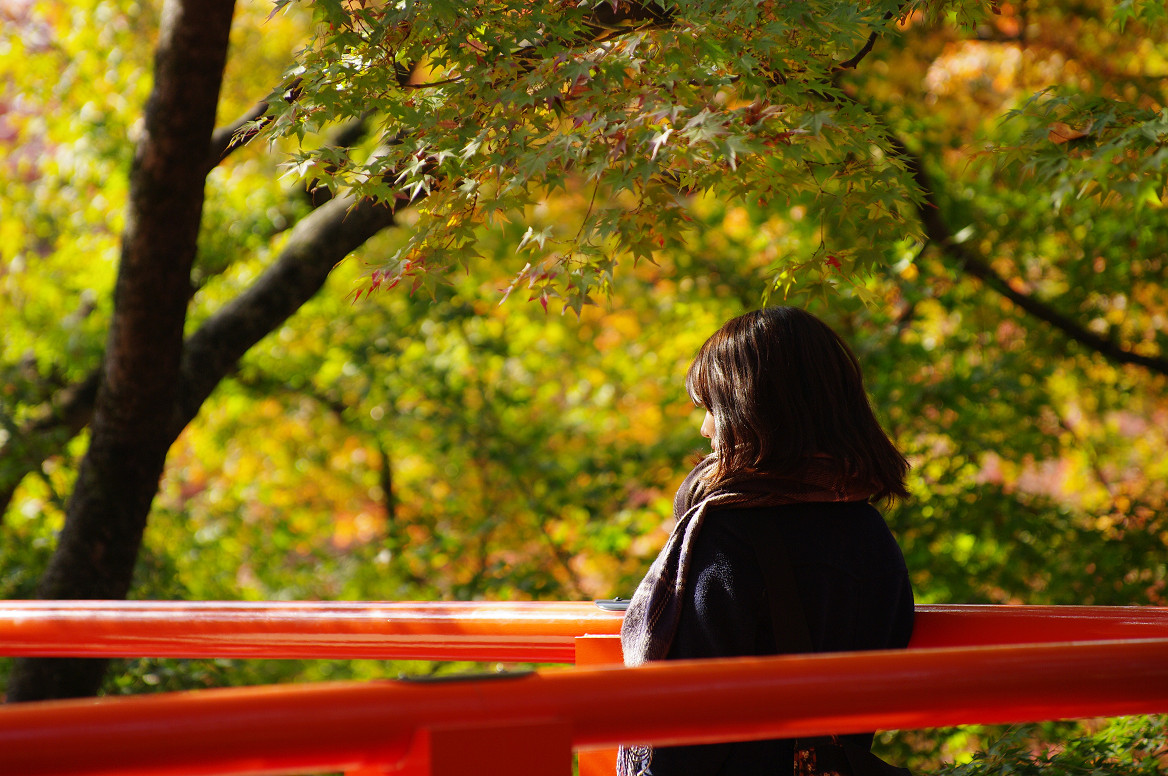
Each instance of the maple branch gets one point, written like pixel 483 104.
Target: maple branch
pixel 227 139
pixel 610 20
pixel 850 64
pixel 317 244
pixel 230 138
pixel 604 23
pixel 972 263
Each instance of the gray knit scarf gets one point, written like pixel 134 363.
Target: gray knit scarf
pixel 651 620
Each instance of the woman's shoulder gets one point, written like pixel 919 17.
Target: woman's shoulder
pixel 799 525
pixel 802 510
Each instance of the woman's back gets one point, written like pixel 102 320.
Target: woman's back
pixel 854 594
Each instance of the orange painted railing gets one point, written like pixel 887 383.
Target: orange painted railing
pixel 529 632
pixel 535 632
pixel 528 725
pixel 1001 664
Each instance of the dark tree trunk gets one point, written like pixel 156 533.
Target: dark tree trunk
pixel 138 397
pixel 316 245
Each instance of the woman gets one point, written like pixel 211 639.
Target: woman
pixel 776 527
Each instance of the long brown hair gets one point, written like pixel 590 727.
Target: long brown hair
pixel 783 387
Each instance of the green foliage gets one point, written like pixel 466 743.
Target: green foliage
pixel 1098 134
pixel 66 118
pixel 548 473
pixel 1096 146
pixel 1130 746
pixel 484 106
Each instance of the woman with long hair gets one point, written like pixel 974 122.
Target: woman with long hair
pixel 776 528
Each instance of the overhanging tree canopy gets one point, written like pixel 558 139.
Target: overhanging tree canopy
pixel 482 108
pixel 645 115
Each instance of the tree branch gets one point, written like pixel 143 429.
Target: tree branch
pixel 850 64
pixel 72 407
pixel 70 410
pixel 317 244
pixel 607 21
pixel 228 139
pixel 237 134
pixel 938 232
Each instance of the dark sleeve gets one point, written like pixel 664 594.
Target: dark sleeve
pixel 726 606
pixel 721 618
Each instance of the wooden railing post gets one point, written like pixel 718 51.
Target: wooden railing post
pixel 594 651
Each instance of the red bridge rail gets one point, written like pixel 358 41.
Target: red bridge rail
pixel 533 632
pixel 528 725
pixel 966 665
pixel 527 631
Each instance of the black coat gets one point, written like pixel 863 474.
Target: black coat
pixel 855 593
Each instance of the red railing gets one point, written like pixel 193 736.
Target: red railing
pixel 1096 662
pixel 531 632
pixel 527 632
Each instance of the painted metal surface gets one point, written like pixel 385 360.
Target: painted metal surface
pixel 538 632
pixel 351 726
pixel 472 630
pixel 966 624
